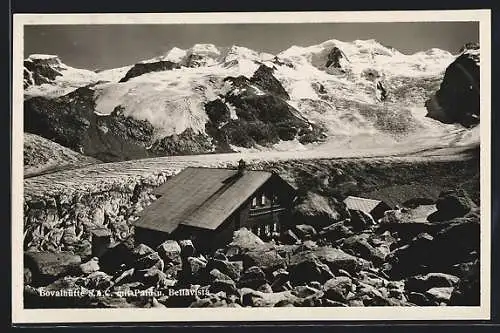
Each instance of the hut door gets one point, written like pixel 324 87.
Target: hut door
pixel 237 222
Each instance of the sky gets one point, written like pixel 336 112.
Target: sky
pixel 110 46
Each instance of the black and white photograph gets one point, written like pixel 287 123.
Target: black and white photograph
pixel 171 164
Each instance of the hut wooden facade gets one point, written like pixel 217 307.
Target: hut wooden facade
pixel 207 205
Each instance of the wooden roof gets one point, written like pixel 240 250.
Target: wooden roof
pixel 200 197
pixel 363 204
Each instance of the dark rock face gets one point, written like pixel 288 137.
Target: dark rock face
pixel 263 77
pixel 185 143
pixel 143 68
pixel 382 91
pixel 458 96
pixel 195 60
pixel 40 71
pixel 334 58
pixel 70 121
pixel 217 112
pixel 263 115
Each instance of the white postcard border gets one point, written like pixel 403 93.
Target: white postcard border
pixel 20 315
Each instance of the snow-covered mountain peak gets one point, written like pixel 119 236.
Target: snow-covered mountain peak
pixel 240 52
pixel 205 92
pixel 47 58
pixel 175 55
pixel 46 74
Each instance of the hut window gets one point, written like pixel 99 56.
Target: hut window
pixel 254 202
pixel 275 199
pixel 268 229
pixel 275 227
pixel 263 200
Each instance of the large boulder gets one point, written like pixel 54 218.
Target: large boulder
pixel 289 237
pixel 360 220
pixel 46 267
pixel 359 245
pixel 227 286
pixel 451 204
pixel 268 261
pixel 124 253
pixel 90 266
pixel 335 231
pixel 337 259
pixel 230 268
pixel 253 277
pixel 152 277
pixel 316 210
pixel 305 232
pixel 458 242
pixel 406 231
pixel 244 240
pixel 422 283
pixel 215 274
pixel 468 291
pixel 439 295
pixel 192 268
pixel 305 267
pixel 308 296
pixel 412 258
pixel 281 281
pixel 338 288
pixel 170 253
pixel 187 248
pixel 256 298
pixel 149 261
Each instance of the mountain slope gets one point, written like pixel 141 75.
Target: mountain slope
pixel 221 99
pixel 42 155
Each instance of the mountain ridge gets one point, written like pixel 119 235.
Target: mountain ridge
pixel 333 91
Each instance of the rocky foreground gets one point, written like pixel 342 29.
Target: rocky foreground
pixel 423 254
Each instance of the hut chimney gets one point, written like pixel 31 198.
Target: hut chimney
pixel 241 167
